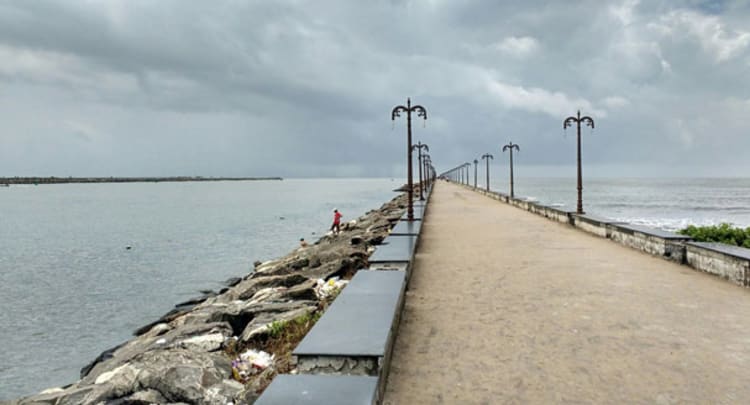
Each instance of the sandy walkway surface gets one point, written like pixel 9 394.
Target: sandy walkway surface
pixel 508 307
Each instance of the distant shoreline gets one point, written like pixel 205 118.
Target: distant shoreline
pixel 62 180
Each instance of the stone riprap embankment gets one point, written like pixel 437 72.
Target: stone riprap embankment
pixel 186 356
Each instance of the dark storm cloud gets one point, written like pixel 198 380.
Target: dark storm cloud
pixel 300 88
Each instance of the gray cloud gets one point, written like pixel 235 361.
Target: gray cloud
pixel 297 88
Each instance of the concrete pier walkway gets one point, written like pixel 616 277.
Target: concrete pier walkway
pixel 508 307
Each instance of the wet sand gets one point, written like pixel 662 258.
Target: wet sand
pixel 508 307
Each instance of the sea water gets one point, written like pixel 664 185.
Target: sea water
pixel 70 287
pixel 84 265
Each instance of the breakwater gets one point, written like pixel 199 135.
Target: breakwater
pixel 65 180
pixel 196 343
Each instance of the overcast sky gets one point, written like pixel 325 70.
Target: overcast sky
pixel 306 88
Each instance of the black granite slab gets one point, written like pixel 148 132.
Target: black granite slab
pixel 416 217
pixel 306 389
pixel 360 319
pixel 405 227
pixel 395 248
pixel 417 210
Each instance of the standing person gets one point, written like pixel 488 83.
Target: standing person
pixel 336 227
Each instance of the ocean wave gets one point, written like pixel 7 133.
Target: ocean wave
pixel 672 224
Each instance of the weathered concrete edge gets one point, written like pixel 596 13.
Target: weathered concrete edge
pixel 732 265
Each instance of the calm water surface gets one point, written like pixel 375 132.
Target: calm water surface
pixel 70 289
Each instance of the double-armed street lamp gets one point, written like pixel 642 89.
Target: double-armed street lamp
pixel 569 122
pixel 421 112
pixel 419 146
pixel 475 173
pixel 510 147
pixel 487 157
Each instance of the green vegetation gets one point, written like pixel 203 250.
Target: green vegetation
pixel 276 328
pixel 722 233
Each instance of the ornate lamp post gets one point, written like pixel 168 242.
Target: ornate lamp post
pixel 569 122
pixel 487 157
pixel 475 173
pixel 510 147
pixel 419 146
pixel 421 112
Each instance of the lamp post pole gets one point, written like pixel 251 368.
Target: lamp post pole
pixel 428 166
pixel 421 112
pixel 569 122
pixel 419 146
pixel 487 157
pixel 425 165
pixel 475 173
pixel 466 166
pixel 510 147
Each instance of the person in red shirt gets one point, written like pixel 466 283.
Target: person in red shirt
pixel 335 228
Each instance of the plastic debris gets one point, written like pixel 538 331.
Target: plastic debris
pixel 324 289
pixel 249 363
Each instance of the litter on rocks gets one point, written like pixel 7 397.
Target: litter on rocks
pixel 249 363
pixel 325 288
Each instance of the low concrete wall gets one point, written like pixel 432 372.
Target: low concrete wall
pixel 658 243
pixel 728 262
pixel 556 214
pixel 592 224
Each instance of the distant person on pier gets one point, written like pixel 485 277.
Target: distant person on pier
pixel 336 226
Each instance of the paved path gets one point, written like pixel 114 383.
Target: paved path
pixel 508 307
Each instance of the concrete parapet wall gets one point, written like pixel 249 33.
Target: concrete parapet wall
pixel 651 245
pixel 727 262
pixel 556 214
pixel 594 227
pixel 658 243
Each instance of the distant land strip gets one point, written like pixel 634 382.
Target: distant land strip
pixel 59 180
